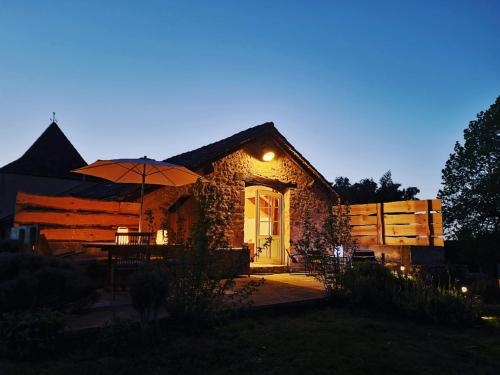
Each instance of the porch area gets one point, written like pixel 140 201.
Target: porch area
pixel 278 291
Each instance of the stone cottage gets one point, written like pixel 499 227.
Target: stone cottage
pixel 269 182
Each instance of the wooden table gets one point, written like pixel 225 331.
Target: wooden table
pixel 130 251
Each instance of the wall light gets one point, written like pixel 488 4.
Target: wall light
pixel 463 289
pixel 268 156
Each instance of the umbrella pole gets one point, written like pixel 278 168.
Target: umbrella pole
pixel 142 196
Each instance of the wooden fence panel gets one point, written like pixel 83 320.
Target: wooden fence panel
pixel 69 219
pixel 417 223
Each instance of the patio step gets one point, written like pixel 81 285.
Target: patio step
pixel 258 269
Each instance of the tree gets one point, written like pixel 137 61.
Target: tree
pixel 388 190
pixel 471 180
pixel 368 191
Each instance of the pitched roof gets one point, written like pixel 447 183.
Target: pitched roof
pixel 52 155
pixel 203 156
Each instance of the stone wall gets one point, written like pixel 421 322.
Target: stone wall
pixel 228 174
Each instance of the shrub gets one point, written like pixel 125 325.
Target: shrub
pixel 29 281
pixel 148 291
pixel 198 291
pixel 371 285
pixel 31 335
pixel 374 286
pixel 324 249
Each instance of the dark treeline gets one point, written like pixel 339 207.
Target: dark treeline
pixel 368 191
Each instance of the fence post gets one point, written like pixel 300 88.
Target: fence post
pixel 430 223
pixel 380 224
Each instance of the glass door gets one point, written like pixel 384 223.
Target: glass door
pixel 269 225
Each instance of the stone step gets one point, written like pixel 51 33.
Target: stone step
pixel 268 269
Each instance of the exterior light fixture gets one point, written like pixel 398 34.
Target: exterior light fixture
pixel 268 156
pixel 464 289
pixel 402 268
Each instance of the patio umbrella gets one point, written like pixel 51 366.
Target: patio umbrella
pixel 140 171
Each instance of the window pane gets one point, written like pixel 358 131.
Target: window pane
pixel 264 228
pixel 276 228
pixel 264 208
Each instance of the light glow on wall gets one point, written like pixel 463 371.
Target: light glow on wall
pixel 268 156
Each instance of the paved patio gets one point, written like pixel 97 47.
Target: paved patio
pixel 278 289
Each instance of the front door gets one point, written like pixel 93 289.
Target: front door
pixel 269 225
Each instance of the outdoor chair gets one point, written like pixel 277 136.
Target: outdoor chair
pixel 308 260
pixel 132 252
pixel 121 236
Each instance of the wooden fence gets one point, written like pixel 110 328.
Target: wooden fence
pixel 417 223
pixel 75 219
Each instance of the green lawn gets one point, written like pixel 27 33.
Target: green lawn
pixel 322 340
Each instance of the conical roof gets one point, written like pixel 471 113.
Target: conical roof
pixel 52 155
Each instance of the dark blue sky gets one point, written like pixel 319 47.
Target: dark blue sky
pixel 357 87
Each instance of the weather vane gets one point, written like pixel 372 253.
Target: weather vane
pixel 53 119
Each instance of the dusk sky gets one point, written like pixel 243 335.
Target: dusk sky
pixel 357 87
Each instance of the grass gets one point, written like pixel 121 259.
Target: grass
pixel 322 340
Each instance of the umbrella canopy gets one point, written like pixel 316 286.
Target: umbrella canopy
pixel 140 171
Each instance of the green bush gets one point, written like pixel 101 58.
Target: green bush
pixel 31 335
pixel 199 293
pixel 30 281
pixel 148 290
pixel 374 286
pixel 371 285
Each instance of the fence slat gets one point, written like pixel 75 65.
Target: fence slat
pixel 80 234
pixel 406 230
pixel 412 218
pixel 363 220
pixel 411 206
pixel 413 241
pixel 365 240
pixel 75 204
pixel 363 209
pixel 72 219
pixel 364 230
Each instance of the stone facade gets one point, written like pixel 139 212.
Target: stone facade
pixel 229 174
